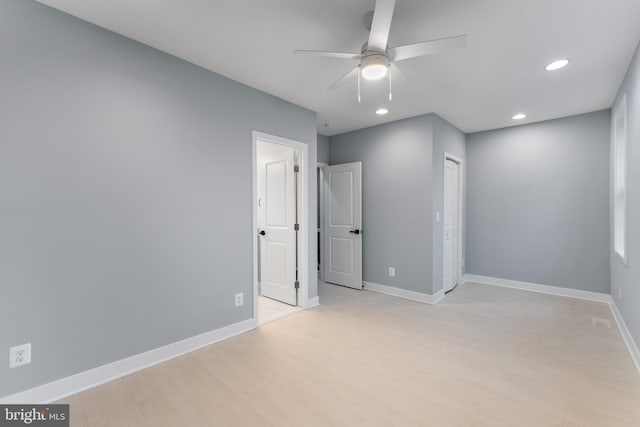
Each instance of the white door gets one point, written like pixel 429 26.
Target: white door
pixel 450 225
pixel 343 225
pixel 277 220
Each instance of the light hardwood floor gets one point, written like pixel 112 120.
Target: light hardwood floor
pixel 270 310
pixel 484 356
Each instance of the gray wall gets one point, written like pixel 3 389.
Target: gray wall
pixel 446 139
pixel 402 180
pixel 537 203
pixel 396 196
pixel 323 149
pixel 125 194
pixel 628 278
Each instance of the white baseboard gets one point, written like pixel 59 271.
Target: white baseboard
pixel 403 293
pixel 64 387
pixel 626 335
pixel 533 287
pixel 312 302
pixel 437 297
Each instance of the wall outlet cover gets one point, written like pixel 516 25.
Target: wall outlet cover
pixel 392 272
pixel 239 299
pixel 19 355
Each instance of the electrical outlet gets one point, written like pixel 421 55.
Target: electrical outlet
pixel 619 293
pixel 437 216
pixel 19 355
pixel 392 272
pixel 239 299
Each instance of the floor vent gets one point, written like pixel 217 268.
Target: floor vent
pixel 601 323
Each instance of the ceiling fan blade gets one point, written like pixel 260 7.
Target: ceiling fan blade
pixel 397 71
pixel 401 53
pixel 338 55
pixel 381 25
pixel 352 72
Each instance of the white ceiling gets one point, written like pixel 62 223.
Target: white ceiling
pixel 480 87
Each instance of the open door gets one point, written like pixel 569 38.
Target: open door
pixel 343 225
pixel 450 274
pixel 277 222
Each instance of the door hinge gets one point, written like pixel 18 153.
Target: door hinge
pixel 296 168
pixel 296 227
pixel 297 284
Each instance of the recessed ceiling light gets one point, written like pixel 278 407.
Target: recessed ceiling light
pixel 381 111
pixel 556 65
pixel 519 116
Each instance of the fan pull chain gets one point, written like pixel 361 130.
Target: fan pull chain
pixel 390 95
pixel 359 99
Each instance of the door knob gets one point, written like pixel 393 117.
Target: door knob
pixel 354 231
pixel 262 232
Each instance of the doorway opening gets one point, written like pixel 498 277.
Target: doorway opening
pixel 452 221
pixel 279 227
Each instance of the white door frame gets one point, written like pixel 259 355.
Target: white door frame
pixel 460 162
pixel 303 208
pixel 321 215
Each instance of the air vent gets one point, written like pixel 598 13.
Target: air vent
pixel 601 323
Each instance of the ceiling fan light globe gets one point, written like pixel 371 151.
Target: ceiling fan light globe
pixel 374 67
pixel 374 72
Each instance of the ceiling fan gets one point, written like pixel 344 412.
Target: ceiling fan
pixel 376 58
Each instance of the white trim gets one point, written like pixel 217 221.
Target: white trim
pixel 321 191
pixel 534 287
pixel 453 157
pixel 303 217
pixel 312 302
pixel 437 297
pixel 620 109
pixel 626 335
pixel 403 293
pixel 460 163
pixel 68 386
